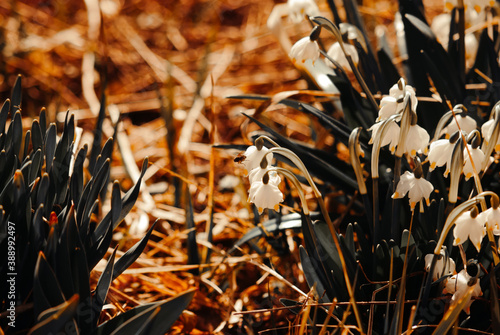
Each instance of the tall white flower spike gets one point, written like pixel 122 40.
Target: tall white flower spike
pixel 459 284
pixel 469 226
pixel 417 187
pixel 445 266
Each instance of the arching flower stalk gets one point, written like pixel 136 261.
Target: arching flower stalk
pixel 330 26
pixel 317 194
pixel 355 152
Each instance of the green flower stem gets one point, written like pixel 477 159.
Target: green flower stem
pixel 354 153
pixel 329 25
pixel 267 138
pixel 396 226
pixel 300 165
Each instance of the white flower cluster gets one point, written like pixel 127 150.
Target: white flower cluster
pixel 264 183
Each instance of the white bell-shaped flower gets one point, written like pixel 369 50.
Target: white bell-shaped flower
pixel 491 219
pixel 477 158
pixel 486 131
pixel 253 156
pixel 399 93
pixel 440 153
pixel 417 140
pixel 444 266
pixel 469 226
pixel 466 123
pixel 303 50
pixel 265 193
pixel 335 52
pixel 390 138
pixel 458 285
pixel 297 9
pixel 417 189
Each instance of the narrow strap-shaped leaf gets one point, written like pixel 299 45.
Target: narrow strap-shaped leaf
pixel 36 135
pixel 55 319
pixel 101 290
pixel 192 245
pixel 132 254
pixel 133 319
pixel 96 144
pixel 4 114
pixel 46 290
pixel 128 202
pixel 50 146
pixel 17 95
pixel 312 277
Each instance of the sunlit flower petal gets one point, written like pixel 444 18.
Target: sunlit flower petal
pixel 440 152
pixel 445 266
pixel 303 50
pixel 486 131
pixel 468 227
pixel 335 52
pixel 417 140
pixel 395 92
pixel 417 189
pixel 266 195
pixel 388 107
pixel 478 159
pixel 298 8
pixel 491 219
pixel 466 123
pixel 458 286
pixel 253 157
pixel 391 137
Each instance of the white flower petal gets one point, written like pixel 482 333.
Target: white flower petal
pixel 467 227
pixel 253 157
pixel 440 152
pixel 298 8
pixel 478 159
pixel 304 49
pixel 265 195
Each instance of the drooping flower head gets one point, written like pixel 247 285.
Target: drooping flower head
pixel 335 52
pixel 444 266
pixel 297 9
pixel 476 156
pixel 417 187
pixel 306 48
pixel 491 217
pixel 459 284
pixel 265 193
pixel 469 226
pixel 254 154
pixel 394 103
pixel 440 153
